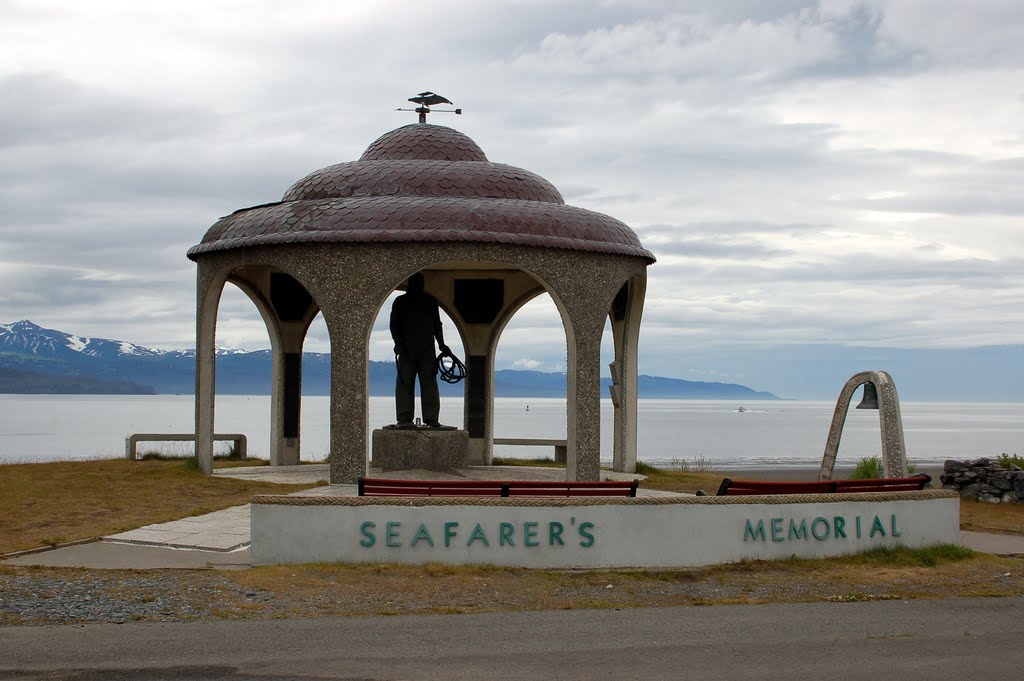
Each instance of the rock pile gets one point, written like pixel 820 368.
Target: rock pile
pixel 984 480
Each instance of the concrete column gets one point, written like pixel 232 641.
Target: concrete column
pixel 349 402
pixel 286 392
pixel 479 397
pixel 207 302
pixel 626 332
pixel 583 406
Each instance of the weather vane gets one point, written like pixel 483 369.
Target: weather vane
pixel 427 100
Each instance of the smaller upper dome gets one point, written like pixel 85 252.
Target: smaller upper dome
pixel 424 142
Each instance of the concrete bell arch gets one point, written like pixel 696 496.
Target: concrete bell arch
pixel 894 450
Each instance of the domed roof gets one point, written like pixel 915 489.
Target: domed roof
pixel 424 183
pixel 425 143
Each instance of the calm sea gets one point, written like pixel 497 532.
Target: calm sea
pixel 48 427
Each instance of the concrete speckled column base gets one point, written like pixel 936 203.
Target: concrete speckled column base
pixel 434 450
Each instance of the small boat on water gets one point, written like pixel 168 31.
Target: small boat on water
pixel 742 410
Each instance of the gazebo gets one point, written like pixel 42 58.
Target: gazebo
pixel 488 238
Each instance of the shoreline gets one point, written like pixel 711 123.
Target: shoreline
pixel 757 471
pixel 808 473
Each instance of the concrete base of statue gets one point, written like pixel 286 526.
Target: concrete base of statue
pixel 434 450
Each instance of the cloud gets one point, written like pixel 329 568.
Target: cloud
pixel 527 363
pixel 806 172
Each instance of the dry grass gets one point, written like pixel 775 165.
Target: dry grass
pixel 999 518
pixel 681 481
pixel 390 589
pixel 51 503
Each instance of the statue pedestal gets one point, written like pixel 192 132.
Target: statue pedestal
pixel 434 450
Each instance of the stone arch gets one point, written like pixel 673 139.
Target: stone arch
pixel 894 450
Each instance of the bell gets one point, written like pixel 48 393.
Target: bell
pixel 870 398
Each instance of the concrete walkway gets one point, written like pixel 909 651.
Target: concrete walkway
pixel 221 539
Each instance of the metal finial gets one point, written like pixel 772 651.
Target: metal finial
pixel 427 100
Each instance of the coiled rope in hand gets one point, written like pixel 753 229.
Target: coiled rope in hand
pixel 450 368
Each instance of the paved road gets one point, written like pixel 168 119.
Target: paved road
pixel 908 640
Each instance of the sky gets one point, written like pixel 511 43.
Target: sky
pixel 829 187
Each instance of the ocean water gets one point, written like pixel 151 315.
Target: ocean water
pixel 59 427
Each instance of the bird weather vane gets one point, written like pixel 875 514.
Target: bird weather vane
pixel 425 100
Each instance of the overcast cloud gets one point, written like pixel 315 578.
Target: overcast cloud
pixel 810 175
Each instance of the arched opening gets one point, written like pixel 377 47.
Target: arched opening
pixel 287 310
pixel 530 379
pixel 382 369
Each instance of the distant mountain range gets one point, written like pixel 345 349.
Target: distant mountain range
pixel 38 360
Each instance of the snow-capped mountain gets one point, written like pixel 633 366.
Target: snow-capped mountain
pixel 24 337
pixel 31 355
pixel 48 353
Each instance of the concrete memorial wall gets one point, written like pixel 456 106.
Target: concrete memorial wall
pixel 590 533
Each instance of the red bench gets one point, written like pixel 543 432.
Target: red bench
pixel 914 482
pixel 384 487
pixel 730 487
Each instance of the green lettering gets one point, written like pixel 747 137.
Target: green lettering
pixel 798 530
pixel 839 526
pixel 753 533
pixel 858 527
pixel 391 534
pixel 877 527
pixel 814 529
pixel 422 534
pixel 530 534
pixel 505 534
pixel 777 529
pixel 366 529
pixel 894 532
pixel 587 539
pixel 555 533
pixel 478 533
pixel 449 532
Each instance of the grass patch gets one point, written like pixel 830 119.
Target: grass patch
pixel 544 461
pixel 898 556
pixel 678 481
pixel 41 503
pixel 219 460
pixel 870 468
pixel 1008 461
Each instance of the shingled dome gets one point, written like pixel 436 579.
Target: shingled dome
pixel 486 238
pixel 423 183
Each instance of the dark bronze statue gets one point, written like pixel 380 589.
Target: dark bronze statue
pixel 415 323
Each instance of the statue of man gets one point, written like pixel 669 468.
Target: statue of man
pixel 415 323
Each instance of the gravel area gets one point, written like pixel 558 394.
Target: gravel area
pixel 31 596
pixel 40 596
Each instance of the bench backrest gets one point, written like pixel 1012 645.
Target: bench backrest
pixel 914 482
pixel 384 487
pixel 730 487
